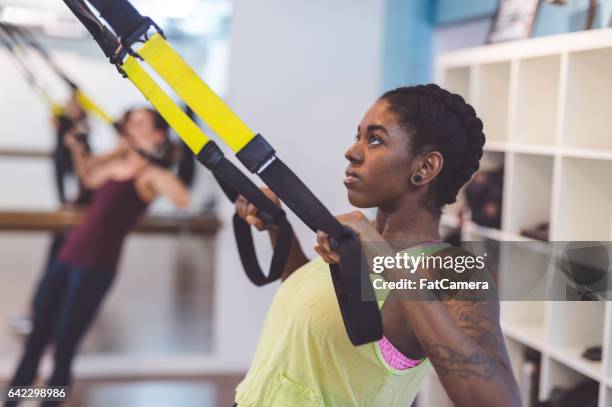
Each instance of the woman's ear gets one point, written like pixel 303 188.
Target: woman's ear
pixel 429 167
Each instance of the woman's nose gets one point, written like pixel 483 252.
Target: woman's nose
pixel 354 153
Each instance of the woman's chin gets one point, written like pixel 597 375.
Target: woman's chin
pixel 359 200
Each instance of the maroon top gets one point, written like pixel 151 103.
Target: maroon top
pixel 96 242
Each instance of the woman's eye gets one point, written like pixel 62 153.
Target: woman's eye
pixel 374 140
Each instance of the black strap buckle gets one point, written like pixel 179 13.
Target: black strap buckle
pixel 140 34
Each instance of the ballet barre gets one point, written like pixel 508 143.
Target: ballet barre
pixel 66 218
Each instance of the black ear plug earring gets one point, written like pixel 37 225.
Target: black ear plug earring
pixel 417 178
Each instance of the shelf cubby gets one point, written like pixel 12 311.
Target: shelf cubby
pixel 522 282
pixel 458 81
pixel 490 161
pixel 523 321
pixel 492 99
pixel 516 354
pixel 588 112
pixel 524 272
pixel 558 375
pixel 537 104
pixel 575 326
pixel 585 202
pixel 531 191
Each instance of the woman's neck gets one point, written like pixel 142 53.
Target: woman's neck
pixel 409 222
pixel 136 160
pixel 131 165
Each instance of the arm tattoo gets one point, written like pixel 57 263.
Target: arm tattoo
pixel 448 360
pixel 478 321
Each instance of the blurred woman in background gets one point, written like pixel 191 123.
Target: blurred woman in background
pixel 72 290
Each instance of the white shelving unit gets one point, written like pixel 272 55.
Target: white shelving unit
pixel 547 113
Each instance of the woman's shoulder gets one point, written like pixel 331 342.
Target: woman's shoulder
pixel 143 182
pixel 314 266
pixel 151 170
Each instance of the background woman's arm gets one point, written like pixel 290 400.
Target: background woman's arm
pixel 101 159
pixel 158 181
pixel 91 173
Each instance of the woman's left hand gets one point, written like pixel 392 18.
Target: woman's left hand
pixel 355 220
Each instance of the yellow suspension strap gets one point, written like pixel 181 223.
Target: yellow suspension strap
pixel 361 316
pixel 196 93
pixel 89 105
pixel 8 41
pixel 189 132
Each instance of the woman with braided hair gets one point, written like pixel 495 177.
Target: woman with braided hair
pixel 414 149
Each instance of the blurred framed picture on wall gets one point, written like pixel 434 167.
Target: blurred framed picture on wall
pixel 514 20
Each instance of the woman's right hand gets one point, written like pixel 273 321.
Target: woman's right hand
pixel 248 212
pixel 72 142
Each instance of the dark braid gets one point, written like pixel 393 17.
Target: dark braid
pixel 439 120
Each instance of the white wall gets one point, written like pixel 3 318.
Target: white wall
pixel 302 73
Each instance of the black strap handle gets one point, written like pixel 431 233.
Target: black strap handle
pixel 234 182
pixel 248 257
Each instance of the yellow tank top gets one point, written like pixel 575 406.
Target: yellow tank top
pixel 304 357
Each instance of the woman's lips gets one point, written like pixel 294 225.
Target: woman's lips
pixel 350 178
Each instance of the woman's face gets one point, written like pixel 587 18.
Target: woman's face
pixel 73 110
pixel 380 160
pixel 140 128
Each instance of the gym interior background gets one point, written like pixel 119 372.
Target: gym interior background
pixel 182 323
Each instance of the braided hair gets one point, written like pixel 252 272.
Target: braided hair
pixel 439 120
